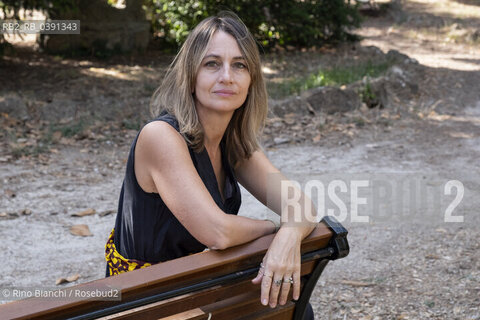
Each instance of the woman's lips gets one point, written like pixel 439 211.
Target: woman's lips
pixel 224 93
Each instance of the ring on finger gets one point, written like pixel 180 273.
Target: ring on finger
pixel 261 265
pixel 289 280
pixel 278 282
pixel 268 275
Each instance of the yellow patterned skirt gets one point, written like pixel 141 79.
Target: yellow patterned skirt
pixel 117 263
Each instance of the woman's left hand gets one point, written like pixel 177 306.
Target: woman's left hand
pixel 280 269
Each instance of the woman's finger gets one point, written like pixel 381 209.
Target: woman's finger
pixel 275 289
pixel 296 275
pixel 296 285
pixel 259 276
pixel 287 281
pixel 266 285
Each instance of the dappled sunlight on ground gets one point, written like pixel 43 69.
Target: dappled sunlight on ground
pixel 444 117
pixel 132 75
pixel 455 9
pixel 439 34
pixel 425 51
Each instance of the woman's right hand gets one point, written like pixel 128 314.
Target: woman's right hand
pixel 280 269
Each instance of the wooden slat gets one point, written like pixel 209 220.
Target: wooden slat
pixel 235 307
pixel 196 313
pixel 189 301
pixel 279 313
pixel 238 308
pixel 159 278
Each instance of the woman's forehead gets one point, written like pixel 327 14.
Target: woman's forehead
pixel 223 44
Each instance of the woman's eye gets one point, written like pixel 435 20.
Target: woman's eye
pixel 211 64
pixel 240 65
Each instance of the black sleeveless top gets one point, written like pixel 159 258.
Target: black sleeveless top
pixel 146 230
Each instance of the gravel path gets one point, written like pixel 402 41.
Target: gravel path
pixel 398 270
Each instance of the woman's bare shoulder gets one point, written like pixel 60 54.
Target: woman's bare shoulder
pixel 161 135
pixel 160 151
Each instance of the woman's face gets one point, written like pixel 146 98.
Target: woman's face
pixel 223 78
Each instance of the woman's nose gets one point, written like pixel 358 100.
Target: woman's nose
pixel 226 73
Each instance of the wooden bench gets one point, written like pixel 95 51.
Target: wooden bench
pixel 208 285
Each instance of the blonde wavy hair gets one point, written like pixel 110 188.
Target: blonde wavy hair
pixel 175 93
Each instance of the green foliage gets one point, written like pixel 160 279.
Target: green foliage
pixel 274 23
pixel 19 148
pixel 429 303
pixel 4 45
pixel 26 151
pixel 368 96
pixel 132 124
pixel 70 129
pixel 287 23
pixel 336 76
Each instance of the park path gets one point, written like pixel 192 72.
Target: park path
pixel 404 270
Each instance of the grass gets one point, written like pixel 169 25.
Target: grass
pixel 131 124
pixel 429 303
pixel 71 129
pixel 45 139
pixel 19 150
pixel 368 96
pixel 336 76
pixel 33 151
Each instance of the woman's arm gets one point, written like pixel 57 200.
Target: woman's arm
pixel 264 181
pixel 163 164
pixel 282 260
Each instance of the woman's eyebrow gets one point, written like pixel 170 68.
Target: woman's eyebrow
pixel 218 57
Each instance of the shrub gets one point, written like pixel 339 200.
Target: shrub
pixel 285 23
pixel 296 23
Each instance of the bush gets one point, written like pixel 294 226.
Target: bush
pixel 297 23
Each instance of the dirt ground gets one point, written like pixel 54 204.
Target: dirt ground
pixel 415 267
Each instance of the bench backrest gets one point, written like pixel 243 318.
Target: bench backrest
pixel 208 285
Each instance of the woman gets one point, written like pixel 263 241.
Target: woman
pixel 180 194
